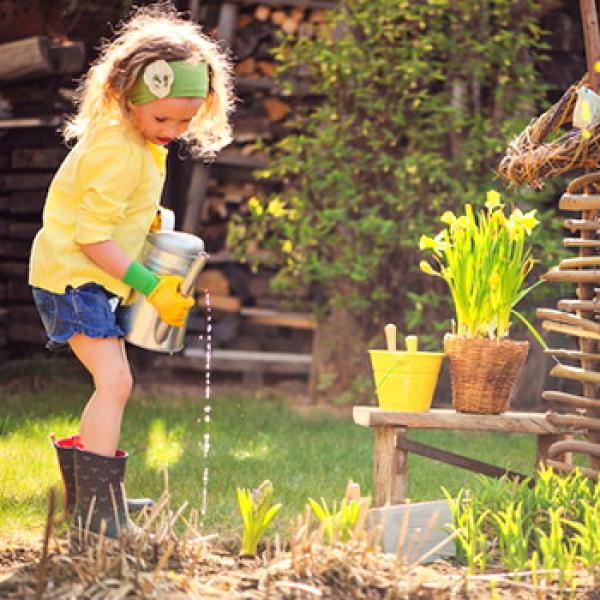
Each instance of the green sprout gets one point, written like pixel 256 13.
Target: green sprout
pixel 338 524
pixel 257 513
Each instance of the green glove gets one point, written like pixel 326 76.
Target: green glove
pixel 140 278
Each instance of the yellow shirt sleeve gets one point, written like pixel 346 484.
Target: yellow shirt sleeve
pixel 108 175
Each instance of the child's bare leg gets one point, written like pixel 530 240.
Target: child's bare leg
pixel 106 360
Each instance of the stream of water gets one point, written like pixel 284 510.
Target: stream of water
pixel 205 419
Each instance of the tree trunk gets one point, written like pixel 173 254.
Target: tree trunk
pixel 340 368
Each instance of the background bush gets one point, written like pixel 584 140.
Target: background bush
pixel 418 102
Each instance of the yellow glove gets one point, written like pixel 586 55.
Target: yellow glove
pixel 171 304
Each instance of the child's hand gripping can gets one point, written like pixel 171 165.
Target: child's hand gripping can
pixel 166 253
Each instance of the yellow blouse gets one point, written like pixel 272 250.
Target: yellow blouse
pixel 107 188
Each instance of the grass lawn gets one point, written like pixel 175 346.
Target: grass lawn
pixel 253 438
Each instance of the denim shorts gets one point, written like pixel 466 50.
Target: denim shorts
pixel 88 309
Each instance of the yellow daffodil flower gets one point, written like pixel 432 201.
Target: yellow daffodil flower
pixel 449 218
pixel 286 246
pixel 428 269
pixel 529 221
pixel 492 200
pixel 437 243
pixel 522 222
pixel 498 218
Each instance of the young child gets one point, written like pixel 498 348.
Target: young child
pixel 158 80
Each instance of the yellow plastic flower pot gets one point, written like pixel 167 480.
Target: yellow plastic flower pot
pixel 405 381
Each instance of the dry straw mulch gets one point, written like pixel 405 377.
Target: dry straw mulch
pixel 532 157
pixel 156 562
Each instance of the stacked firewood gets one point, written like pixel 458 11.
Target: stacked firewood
pixel 261 119
pixel 265 104
pixel 223 199
pixel 28 158
pixel 258 30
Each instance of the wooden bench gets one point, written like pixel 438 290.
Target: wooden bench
pixel 390 462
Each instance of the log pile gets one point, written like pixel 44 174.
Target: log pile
pixel 266 104
pixel 28 158
pixel 266 98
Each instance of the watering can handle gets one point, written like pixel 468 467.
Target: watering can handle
pixel 162 328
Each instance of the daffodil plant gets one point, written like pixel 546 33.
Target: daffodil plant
pixel 485 260
pixel 257 513
pixel 337 524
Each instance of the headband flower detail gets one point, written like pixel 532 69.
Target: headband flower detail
pixel 159 77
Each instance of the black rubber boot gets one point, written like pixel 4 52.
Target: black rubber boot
pixel 99 493
pixel 65 450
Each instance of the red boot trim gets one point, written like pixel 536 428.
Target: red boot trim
pixel 73 441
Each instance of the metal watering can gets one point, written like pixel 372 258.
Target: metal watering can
pixel 165 253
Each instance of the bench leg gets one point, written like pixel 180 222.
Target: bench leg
pixel 389 467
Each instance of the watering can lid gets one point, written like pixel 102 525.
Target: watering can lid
pixel 177 242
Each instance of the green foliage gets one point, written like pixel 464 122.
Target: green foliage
pixel 257 513
pixel 338 524
pixel 513 536
pixel 552 521
pixel 417 102
pixel 472 543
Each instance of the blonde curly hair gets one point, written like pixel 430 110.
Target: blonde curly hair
pixel 152 33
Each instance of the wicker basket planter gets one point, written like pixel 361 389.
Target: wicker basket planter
pixel 484 372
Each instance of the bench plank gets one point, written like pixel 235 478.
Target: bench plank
pixel 514 422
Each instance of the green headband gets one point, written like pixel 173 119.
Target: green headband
pixel 173 79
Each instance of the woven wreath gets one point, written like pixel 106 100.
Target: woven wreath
pixel 529 160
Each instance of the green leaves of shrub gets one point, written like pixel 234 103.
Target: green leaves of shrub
pixel 551 521
pixel 411 105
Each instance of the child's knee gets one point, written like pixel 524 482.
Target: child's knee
pixel 118 386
